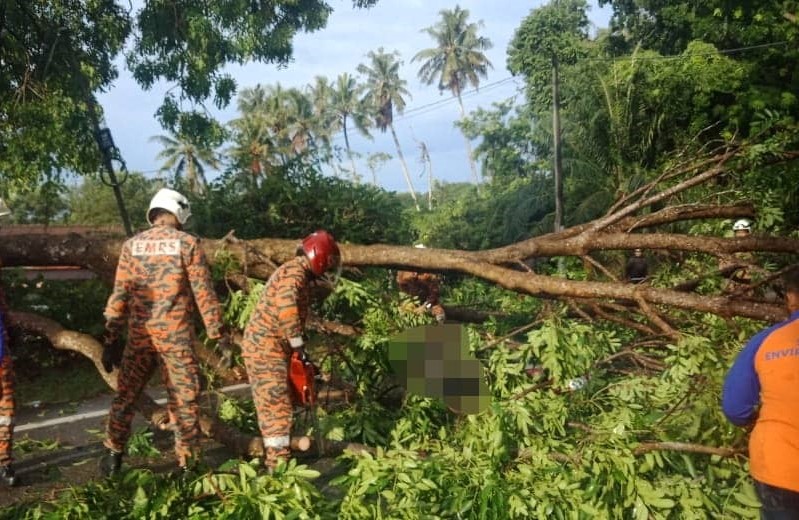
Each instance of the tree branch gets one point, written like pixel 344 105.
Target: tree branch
pixel 684 447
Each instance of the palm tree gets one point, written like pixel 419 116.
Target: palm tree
pixel 286 118
pixel 301 122
pixel 346 104
pixel 252 145
pixel 456 61
pixel 384 93
pixel 188 159
pixel 320 93
pixel 253 100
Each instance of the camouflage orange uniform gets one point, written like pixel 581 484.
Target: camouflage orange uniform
pixel 424 286
pixel 159 270
pixel 276 324
pixel 6 387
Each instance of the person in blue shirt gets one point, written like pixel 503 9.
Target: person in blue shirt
pixel 762 390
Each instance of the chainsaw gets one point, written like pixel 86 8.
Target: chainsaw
pixel 302 385
pixel 302 376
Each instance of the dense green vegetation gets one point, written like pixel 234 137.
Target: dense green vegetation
pixel 650 93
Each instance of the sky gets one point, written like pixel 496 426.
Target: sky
pixel 349 35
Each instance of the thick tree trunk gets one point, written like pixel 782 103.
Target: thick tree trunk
pixel 620 229
pixel 259 258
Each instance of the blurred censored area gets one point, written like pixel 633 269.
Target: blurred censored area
pixel 434 361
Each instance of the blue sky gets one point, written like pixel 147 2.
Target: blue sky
pixel 340 47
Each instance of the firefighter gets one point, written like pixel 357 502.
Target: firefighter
pixel 7 475
pixel 162 274
pixel 275 331
pixel 738 267
pixel 424 286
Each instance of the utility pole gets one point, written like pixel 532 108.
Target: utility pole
pixel 105 142
pixel 109 152
pixel 557 162
pixel 558 171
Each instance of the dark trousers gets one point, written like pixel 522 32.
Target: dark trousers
pixel 778 503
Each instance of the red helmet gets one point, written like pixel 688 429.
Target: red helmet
pixel 322 251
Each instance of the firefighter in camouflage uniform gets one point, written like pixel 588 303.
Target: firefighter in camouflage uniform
pixel 275 330
pixel 7 475
pixel 161 275
pixel 426 287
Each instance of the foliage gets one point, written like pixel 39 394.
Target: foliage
pixel 42 203
pixel 634 102
pixel 552 34
pixel 457 60
pixel 277 127
pixel 386 94
pixel 58 53
pixel 239 413
pixel 297 203
pixel 540 449
pixel 508 148
pixel 235 490
pixel 141 444
pixel 503 213
pixel 346 104
pixel 55 53
pixel 56 300
pixel 526 458
pixel 92 202
pixel 188 158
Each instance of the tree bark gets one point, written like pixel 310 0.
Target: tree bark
pixel 260 257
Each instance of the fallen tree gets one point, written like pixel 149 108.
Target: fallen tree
pixel 604 297
pixel 620 229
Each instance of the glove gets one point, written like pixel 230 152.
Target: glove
pixel 112 355
pixel 301 354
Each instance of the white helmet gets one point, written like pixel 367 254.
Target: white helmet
pixel 742 225
pixel 4 209
pixel 171 201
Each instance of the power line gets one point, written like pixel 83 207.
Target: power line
pixel 430 107
pixel 435 105
pixel 408 115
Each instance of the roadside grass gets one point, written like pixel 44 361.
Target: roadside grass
pixel 61 384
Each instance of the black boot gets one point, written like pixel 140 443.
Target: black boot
pixel 110 463
pixel 7 475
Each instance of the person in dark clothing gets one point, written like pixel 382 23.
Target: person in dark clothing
pixel 637 268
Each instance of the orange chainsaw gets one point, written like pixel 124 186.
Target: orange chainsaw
pixel 302 376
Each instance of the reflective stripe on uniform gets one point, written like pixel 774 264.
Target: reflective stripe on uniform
pixel 6 420
pixel 277 442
